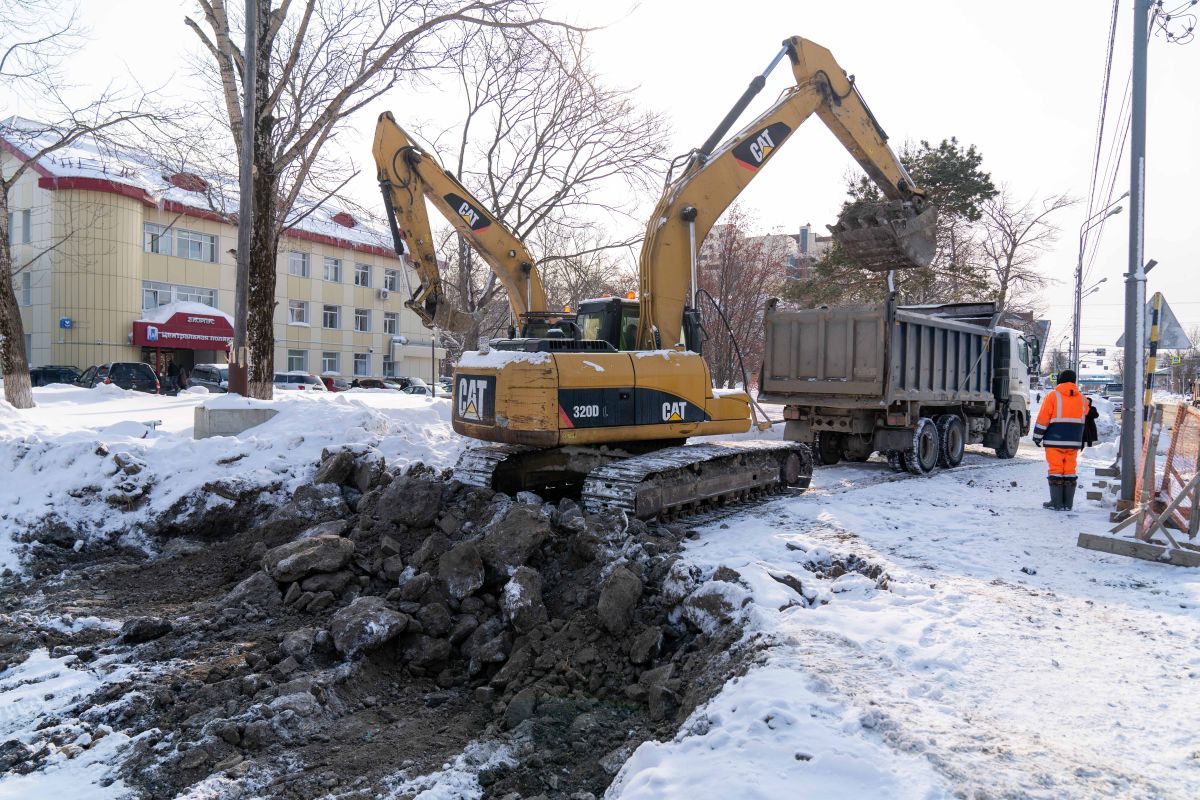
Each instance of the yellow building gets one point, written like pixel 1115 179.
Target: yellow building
pixel 109 240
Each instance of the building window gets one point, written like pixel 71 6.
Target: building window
pixel 333 269
pixel 196 246
pixel 298 312
pixel 298 264
pixel 362 275
pixel 391 322
pixel 391 280
pixel 297 361
pixel 329 362
pixel 362 364
pixel 26 289
pixel 331 317
pixel 29 350
pixel 362 320
pixel 156 239
pixel 23 233
pixel 389 368
pixel 155 294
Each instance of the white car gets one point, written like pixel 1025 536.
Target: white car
pixel 298 380
pixel 425 389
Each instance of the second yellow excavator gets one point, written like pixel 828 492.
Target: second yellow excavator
pixel 602 408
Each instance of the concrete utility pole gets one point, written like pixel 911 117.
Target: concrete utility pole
pixel 238 368
pixel 1135 278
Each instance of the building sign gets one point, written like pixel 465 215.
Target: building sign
pixel 186 331
pixel 65 322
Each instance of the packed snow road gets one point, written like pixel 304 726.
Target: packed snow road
pixel 997 659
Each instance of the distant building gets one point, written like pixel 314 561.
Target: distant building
pixel 140 254
pixel 800 249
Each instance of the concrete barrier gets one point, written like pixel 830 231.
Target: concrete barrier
pixel 228 421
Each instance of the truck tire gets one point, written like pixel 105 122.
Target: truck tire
pixel 897 461
pixel 829 447
pixel 1011 439
pixel 926 448
pixel 953 437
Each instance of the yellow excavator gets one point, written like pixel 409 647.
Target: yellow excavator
pixel 601 407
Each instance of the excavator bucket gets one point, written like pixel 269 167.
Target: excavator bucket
pixel 886 236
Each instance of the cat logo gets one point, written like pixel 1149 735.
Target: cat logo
pixel 475 400
pixel 474 217
pixel 674 412
pixel 753 152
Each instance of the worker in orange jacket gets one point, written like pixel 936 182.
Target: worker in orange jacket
pixel 1060 429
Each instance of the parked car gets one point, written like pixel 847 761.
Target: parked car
pixel 126 374
pixel 214 377
pixel 405 382
pixel 436 391
pixel 374 383
pixel 298 380
pixel 335 383
pixel 44 376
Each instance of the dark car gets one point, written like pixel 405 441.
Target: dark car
pixel 214 377
pixel 335 383
pixel 44 376
pixel 126 374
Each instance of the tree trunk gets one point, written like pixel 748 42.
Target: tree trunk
pixel 14 363
pixel 264 249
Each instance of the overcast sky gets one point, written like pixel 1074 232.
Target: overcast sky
pixel 1020 80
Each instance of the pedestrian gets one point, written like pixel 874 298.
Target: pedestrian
pixel 1060 429
pixel 183 378
pixel 172 376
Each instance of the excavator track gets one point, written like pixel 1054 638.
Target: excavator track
pixel 662 483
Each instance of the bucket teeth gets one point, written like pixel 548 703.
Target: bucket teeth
pixel 886 236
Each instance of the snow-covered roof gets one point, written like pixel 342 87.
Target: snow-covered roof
pixel 165 312
pixel 209 195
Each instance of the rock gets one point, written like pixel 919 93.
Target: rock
pixel 484 695
pixel 144 629
pixel 462 628
pixel 645 645
pixel 514 668
pixel 727 574
pixel 416 588
pixel 515 539
pixel 618 599
pixel 521 601
pixel 311 504
pixel 294 560
pixel 334 582
pixel 293 591
pixel 256 735
pixel 430 550
pixel 257 590
pixel 335 467
pixel 335 527
pixel 388 546
pixel 461 570
pixel 369 469
pixel 435 619
pixel 425 651
pixel 320 602
pixel 13 753
pixel 365 624
pixel 298 644
pixel 392 568
pixel 612 761
pixel 487 644
pixel 410 501
pixel 194 758
pixel 520 708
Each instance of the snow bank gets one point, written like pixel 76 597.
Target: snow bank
pixel 68 460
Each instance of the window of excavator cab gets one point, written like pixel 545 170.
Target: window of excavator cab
pixel 590 325
pixel 629 325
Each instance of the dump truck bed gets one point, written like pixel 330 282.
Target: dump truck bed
pixel 873 356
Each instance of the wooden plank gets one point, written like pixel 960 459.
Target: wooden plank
pixel 1147 551
pixel 1095 495
pixel 1108 472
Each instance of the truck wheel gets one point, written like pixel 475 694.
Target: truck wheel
pixel 953 436
pixel 1012 438
pixel 897 461
pixel 926 448
pixel 829 447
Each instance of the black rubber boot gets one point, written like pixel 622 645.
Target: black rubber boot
pixel 1056 494
pixel 1069 493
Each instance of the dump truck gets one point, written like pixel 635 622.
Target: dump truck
pixel 914 386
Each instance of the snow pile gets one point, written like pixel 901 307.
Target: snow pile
pixel 496 359
pixel 105 463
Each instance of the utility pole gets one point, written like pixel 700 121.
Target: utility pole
pixel 1135 278
pixel 239 368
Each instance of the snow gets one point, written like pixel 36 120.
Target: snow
pixel 593 365
pixel 1000 659
pixel 495 359
pixel 60 457
pixel 456 780
pixel 164 312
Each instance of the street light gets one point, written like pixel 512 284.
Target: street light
pixel 1087 225
pixel 1093 289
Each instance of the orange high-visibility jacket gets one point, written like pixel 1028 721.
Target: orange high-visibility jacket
pixel 1060 419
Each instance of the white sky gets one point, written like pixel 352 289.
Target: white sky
pixel 1020 80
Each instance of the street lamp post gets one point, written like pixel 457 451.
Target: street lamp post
pixel 1087 225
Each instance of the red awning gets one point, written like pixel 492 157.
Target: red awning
pixel 185 330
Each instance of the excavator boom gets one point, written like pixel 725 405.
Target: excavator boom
pixel 897 234
pixel 408 177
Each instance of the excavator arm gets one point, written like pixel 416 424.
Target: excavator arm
pixel 408 176
pixel 882 237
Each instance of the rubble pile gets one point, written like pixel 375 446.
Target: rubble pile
pixel 369 629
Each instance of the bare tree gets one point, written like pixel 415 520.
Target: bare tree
pixel 550 150
pixel 740 273
pixel 1012 240
pixel 319 62
pixel 35 38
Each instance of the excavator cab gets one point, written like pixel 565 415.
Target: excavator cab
pixel 610 319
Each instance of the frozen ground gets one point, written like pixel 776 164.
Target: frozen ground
pixel 921 637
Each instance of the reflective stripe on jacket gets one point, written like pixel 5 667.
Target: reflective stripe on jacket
pixel 1061 418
